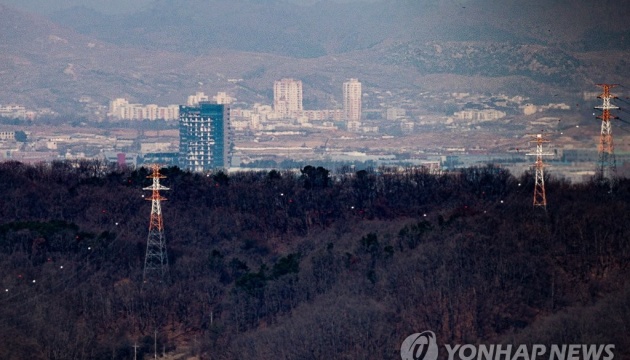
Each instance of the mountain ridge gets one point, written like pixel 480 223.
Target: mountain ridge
pixel 324 23
pixel 51 64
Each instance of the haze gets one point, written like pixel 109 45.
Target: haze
pixel 108 7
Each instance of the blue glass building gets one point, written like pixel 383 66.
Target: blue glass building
pixel 204 141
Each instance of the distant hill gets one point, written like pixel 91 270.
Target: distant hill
pixel 45 64
pixel 164 53
pixel 329 27
pixel 254 26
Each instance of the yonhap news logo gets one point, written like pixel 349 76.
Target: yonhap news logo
pixel 419 346
pixel 423 346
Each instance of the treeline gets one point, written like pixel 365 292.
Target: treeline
pixel 305 265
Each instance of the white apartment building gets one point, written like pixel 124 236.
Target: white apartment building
pixel 170 112
pixel 352 100
pixel 336 115
pixel 287 97
pixel 16 111
pixel 395 113
pixel 223 98
pixel 115 106
pixel 151 111
pixel 529 109
pixel 354 126
pixel 479 115
pixel 7 135
pixel 121 109
pixel 194 100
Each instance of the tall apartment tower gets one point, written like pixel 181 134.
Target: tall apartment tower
pixel 204 137
pixel 352 100
pixel 287 97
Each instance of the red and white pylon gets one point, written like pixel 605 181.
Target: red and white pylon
pixel 540 196
pixel 607 165
pixel 156 260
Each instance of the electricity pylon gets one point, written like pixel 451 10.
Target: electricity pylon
pixel 540 197
pixel 156 260
pixel 606 166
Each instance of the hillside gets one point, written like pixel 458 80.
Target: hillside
pixel 166 52
pixel 333 27
pixel 276 265
pixel 47 65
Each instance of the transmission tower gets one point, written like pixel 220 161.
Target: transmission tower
pixel 540 197
pixel 607 166
pixel 156 261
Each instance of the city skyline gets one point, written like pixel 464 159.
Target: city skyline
pixel 417 83
pixel 125 57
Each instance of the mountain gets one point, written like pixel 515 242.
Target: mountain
pixel 328 27
pixel 169 50
pixel 44 64
pixel 49 65
pixel 270 27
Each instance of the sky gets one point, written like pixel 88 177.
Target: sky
pixel 105 6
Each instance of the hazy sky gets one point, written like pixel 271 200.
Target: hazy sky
pixel 106 6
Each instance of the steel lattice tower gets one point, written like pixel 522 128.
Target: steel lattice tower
pixel 540 197
pixel 156 260
pixel 607 166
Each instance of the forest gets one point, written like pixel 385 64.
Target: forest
pixel 311 264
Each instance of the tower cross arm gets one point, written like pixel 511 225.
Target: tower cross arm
pixel 541 154
pixel 158 187
pixel 606 107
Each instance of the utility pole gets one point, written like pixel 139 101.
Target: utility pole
pixel 135 351
pixel 540 197
pixel 607 165
pixel 156 260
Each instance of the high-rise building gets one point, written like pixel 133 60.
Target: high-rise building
pixel 204 137
pixel 352 100
pixel 287 97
